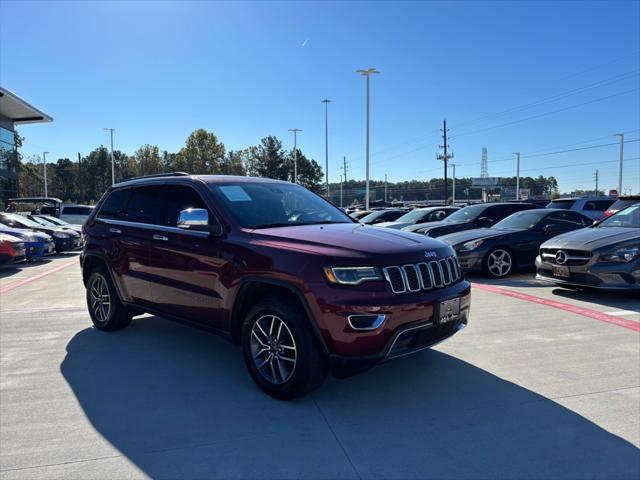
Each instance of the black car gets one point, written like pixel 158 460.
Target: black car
pixel 513 242
pixel 379 216
pixel 605 256
pixel 63 239
pixel 474 216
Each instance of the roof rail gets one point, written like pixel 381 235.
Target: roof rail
pixel 169 174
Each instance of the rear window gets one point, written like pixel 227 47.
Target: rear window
pixel 145 205
pixel 597 205
pixel 564 204
pixel 623 203
pixel 115 205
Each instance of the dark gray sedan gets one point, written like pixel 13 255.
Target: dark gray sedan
pixel 604 256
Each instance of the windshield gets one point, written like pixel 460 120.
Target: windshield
pixel 519 221
pixel 563 204
pixel 53 220
pixel 43 221
pixel 627 218
pixel 413 216
pixel 264 205
pixel 24 221
pixel 466 214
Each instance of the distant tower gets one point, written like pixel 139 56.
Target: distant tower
pixel 484 171
pixel 484 168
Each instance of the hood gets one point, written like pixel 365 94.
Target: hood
pixel 593 238
pixel 396 225
pixel 22 233
pixel 349 240
pixel 428 225
pixel 473 234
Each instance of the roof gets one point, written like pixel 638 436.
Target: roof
pixel 19 111
pixel 203 178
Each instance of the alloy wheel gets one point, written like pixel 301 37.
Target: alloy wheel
pixel 100 299
pixel 273 349
pixel 499 263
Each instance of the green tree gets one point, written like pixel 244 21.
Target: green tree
pixel 268 160
pixel 147 160
pixel 65 180
pixel 202 153
pixel 310 174
pixel 234 163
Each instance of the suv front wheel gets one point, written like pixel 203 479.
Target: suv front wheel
pixel 280 350
pixel 106 310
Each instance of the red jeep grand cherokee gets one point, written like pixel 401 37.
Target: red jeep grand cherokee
pixel 303 288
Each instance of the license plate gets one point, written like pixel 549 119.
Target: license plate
pixel 449 310
pixel 560 271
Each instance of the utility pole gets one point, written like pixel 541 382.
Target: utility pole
pixel 113 163
pixel 44 163
pixel 595 177
pixel 80 178
pixel 340 190
pixel 517 154
pixel 453 196
pixel 621 135
pixel 385 188
pixel 445 158
pixel 367 73
pixel 295 153
pixel 344 168
pixel 326 102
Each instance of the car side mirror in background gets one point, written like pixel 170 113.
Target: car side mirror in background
pixel 197 219
pixel 484 221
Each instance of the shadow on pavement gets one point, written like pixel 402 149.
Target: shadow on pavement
pixel 625 300
pixel 9 270
pixel 178 403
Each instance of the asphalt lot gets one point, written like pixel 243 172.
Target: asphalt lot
pixel 538 386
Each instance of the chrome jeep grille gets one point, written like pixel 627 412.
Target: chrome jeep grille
pixel 421 276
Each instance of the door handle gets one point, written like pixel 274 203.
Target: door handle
pixel 160 237
pixel 115 230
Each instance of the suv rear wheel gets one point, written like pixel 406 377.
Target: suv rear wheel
pixel 280 350
pixel 106 310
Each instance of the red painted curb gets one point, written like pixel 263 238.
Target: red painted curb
pixel 585 312
pixel 20 283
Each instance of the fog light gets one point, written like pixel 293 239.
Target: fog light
pixel 365 322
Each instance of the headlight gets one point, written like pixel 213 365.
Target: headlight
pixel 472 245
pixel 624 254
pixel 351 275
pixel 61 235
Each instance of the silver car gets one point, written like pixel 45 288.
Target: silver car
pixel 604 256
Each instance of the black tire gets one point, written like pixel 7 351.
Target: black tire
pixel 494 270
pixel 310 368
pixel 106 311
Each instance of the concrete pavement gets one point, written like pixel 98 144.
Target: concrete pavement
pixel 527 391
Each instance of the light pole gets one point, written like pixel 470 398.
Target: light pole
pixel 367 73
pixel 518 176
pixel 340 190
pixel 385 188
pixel 44 163
pixel 295 153
pixel 621 135
pixel 453 197
pixel 326 102
pixel 113 163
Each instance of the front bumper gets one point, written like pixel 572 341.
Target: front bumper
pixel 594 274
pixel 64 244
pixel 470 261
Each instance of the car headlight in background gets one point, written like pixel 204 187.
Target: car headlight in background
pixel 624 254
pixel 472 245
pixel 351 275
pixel 61 235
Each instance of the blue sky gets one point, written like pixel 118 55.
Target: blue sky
pixel 533 77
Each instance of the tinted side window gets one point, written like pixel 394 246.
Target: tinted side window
pixel 145 205
pixel 76 210
pixel 496 213
pixel 178 198
pixel 115 205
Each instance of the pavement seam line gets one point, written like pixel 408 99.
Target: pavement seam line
pixel 337 439
pixel 595 393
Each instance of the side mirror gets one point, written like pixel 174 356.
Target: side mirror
pixel 484 221
pixel 546 230
pixel 197 219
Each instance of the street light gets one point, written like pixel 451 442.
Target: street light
pixel 453 198
pixel 44 163
pixel 326 102
pixel 367 73
pixel 621 135
pixel 517 154
pixel 113 171
pixel 295 153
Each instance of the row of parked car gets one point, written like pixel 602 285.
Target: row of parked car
pixel 580 242
pixel 30 237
